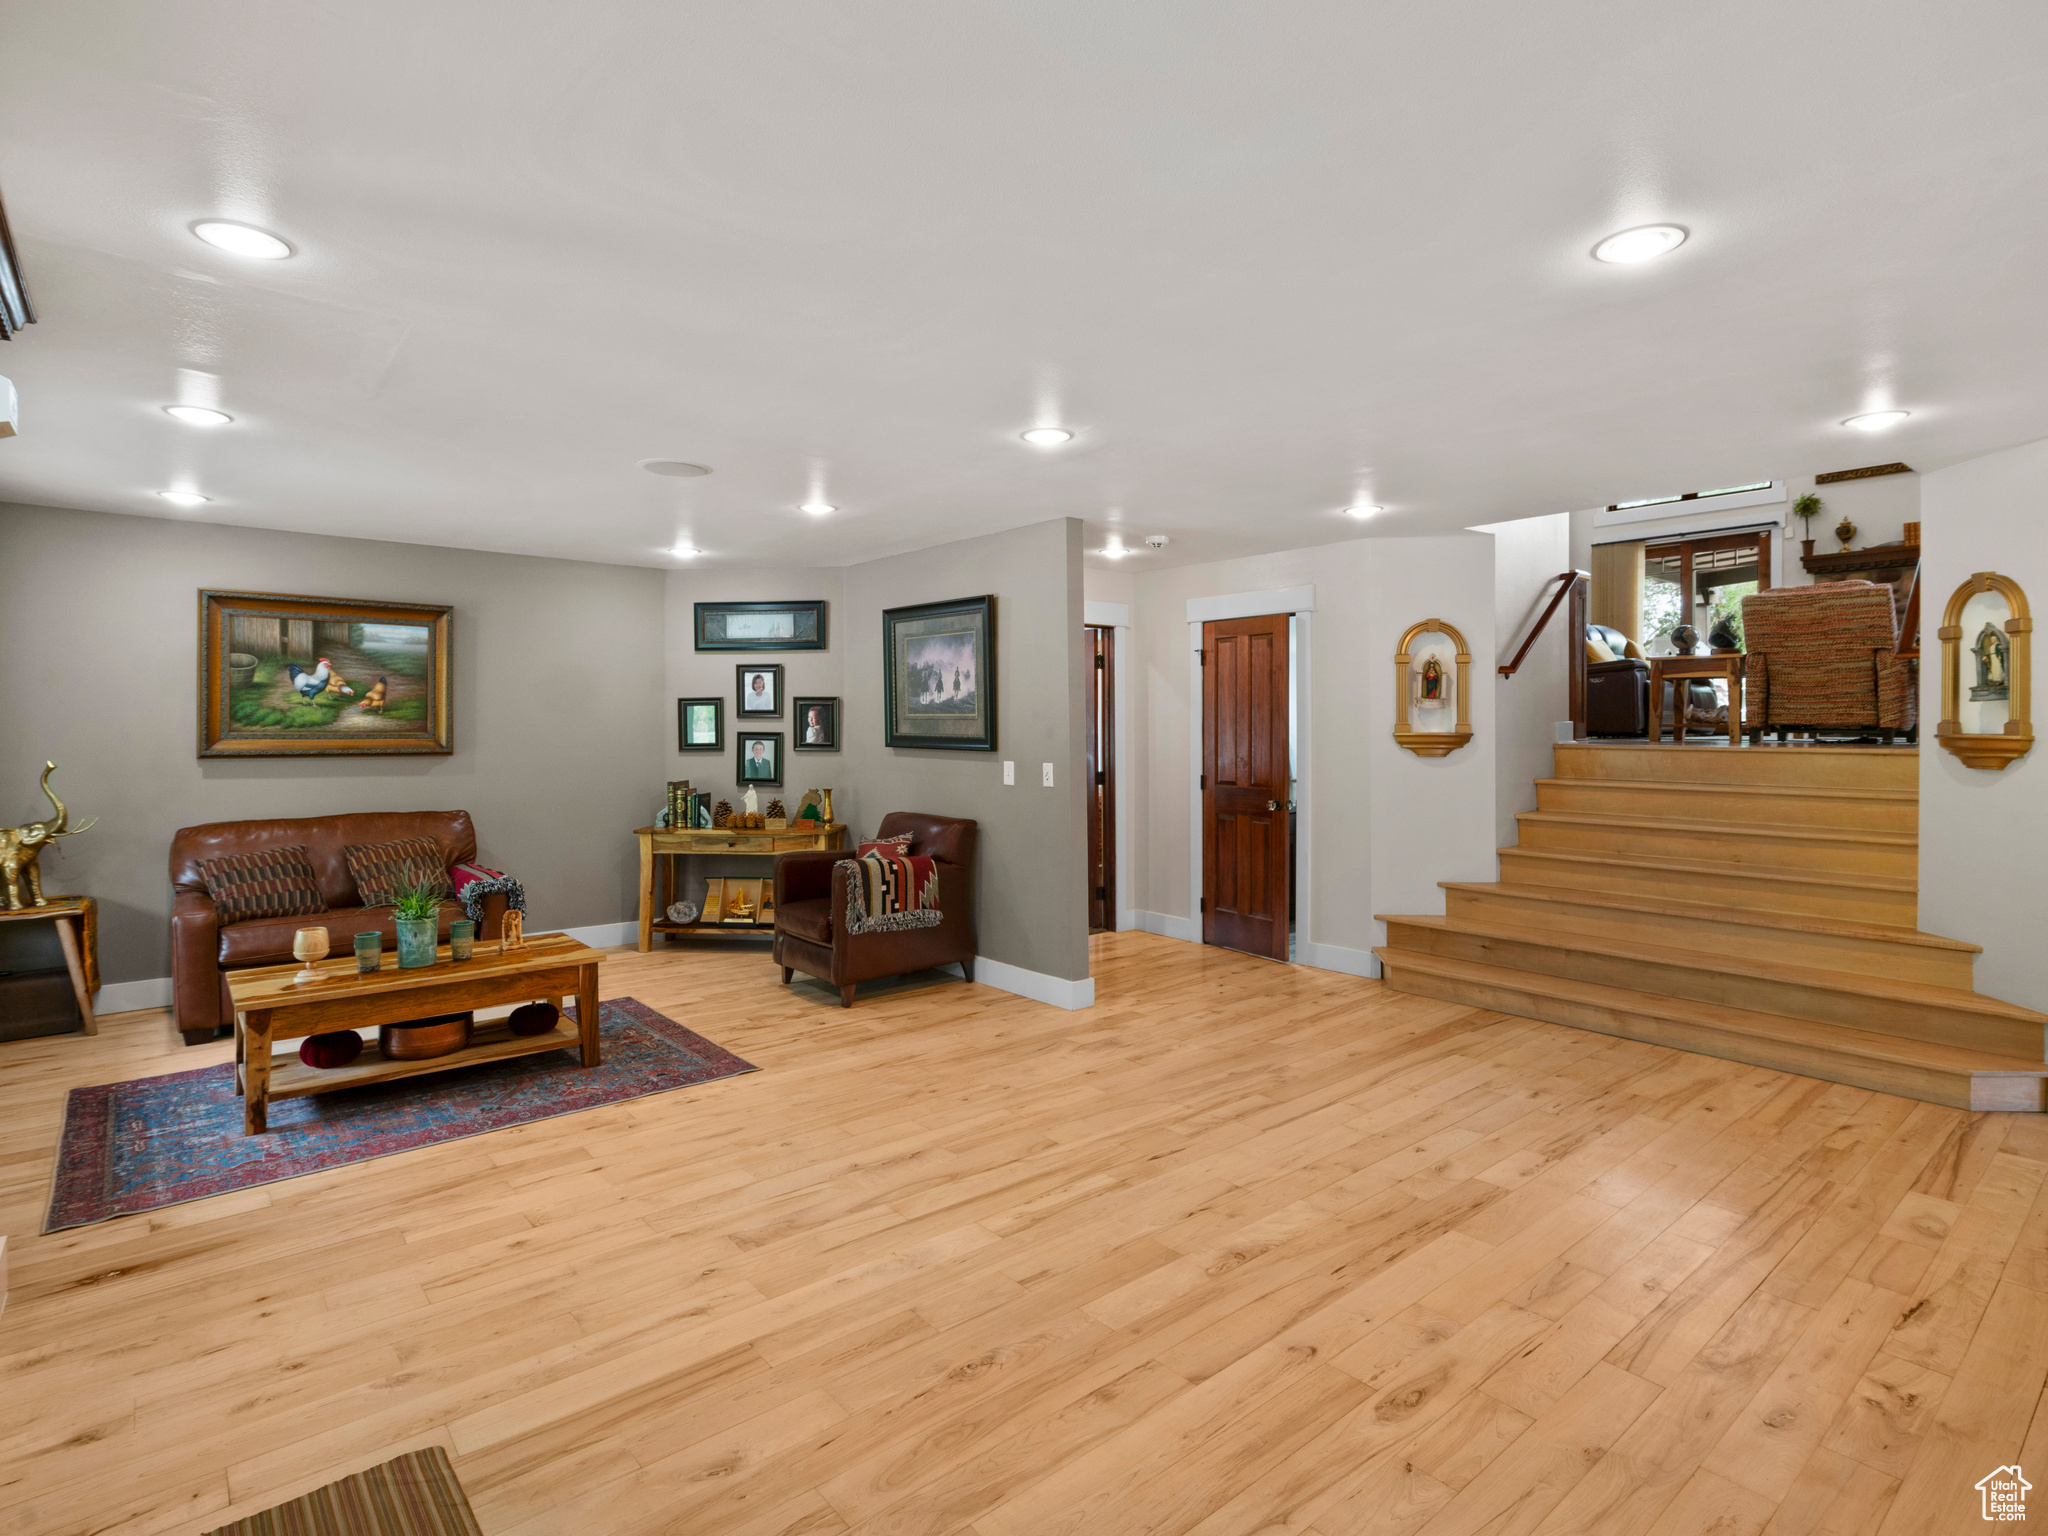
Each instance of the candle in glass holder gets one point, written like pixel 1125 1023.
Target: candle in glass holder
pixel 369 953
pixel 461 938
pixel 309 945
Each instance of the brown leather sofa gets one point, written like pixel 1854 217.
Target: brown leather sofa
pixel 810 911
pixel 1617 691
pixel 203 951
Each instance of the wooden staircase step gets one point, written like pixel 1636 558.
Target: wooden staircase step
pixel 1939 1074
pixel 1881 899
pixel 1873 949
pixel 1813 850
pixel 1872 810
pixel 1715 974
pixel 1707 763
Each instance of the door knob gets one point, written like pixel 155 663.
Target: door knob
pixel 1272 805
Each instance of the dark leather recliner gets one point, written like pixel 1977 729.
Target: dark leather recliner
pixel 810 910
pixel 203 951
pixel 1617 691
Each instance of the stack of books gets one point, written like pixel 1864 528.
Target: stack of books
pixel 687 807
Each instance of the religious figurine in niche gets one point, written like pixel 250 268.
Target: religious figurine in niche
pixel 1993 652
pixel 1432 684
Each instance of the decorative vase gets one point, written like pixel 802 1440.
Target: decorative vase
pixel 309 945
pixel 1845 531
pixel 416 942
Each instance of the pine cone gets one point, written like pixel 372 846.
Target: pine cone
pixel 721 814
pixel 775 809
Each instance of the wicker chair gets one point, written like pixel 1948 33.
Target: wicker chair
pixel 1823 658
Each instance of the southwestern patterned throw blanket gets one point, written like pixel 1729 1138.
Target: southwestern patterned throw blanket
pixel 887 893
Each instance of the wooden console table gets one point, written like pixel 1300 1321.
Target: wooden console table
pixel 76 919
pixel 271 1004
pixel 660 847
pixel 1679 670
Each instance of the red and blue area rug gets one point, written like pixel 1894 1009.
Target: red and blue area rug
pixel 158 1141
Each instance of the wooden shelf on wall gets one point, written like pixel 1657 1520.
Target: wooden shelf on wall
pixel 1853 562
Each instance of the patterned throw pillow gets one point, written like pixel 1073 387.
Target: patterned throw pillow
pixel 896 847
pixel 278 882
pixel 383 872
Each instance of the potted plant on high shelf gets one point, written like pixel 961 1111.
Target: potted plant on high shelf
pixel 1805 508
pixel 417 913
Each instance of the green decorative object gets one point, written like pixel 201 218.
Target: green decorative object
pixel 1806 508
pixel 418 917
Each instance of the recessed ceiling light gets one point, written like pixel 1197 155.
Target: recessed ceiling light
pixel 242 239
pixel 1046 437
pixel 675 467
pixel 1114 552
pixel 1644 244
pixel 184 498
pixel 1362 510
pixel 818 508
pixel 198 415
pixel 1876 421
pixel 684 552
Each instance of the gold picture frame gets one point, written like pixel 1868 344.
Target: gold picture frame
pixel 1433 743
pixel 1985 749
pixel 288 676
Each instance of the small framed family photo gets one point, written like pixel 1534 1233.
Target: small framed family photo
pixel 817 725
pixel 700 725
pixel 761 759
pixel 760 693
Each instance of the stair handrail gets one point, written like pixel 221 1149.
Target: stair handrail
pixel 1565 580
pixel 1907 647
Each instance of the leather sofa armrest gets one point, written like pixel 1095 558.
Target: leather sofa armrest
pixel 1619 664
pixel 195 961
pixel 956 897
pixel 806 876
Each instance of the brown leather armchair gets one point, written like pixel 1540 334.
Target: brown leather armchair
pixel 203 951
pixel 810 911
pixel 1617 691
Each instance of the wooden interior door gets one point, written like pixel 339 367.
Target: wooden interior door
pixel 1101 794
pixel 1245 771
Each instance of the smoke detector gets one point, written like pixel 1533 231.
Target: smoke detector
pixel 1155 541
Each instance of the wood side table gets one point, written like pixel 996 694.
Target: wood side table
pixel 77 919
pixel 661 846
pixel 1678 670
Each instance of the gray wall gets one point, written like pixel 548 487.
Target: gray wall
pixel 1034 856
pixel 559 719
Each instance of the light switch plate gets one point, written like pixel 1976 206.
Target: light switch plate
pixel 1009 773
pixel 1048 775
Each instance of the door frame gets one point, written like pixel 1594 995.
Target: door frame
pixel 1116 617
pixel 1104 683
pixel 1301 603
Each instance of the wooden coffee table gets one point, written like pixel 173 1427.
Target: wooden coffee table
pixel 271 1006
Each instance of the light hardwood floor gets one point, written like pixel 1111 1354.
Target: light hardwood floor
pixel 1243 1249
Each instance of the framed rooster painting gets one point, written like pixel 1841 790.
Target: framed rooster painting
pixel 322 677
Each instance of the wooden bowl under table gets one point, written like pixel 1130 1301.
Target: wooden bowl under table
pixel 423 1039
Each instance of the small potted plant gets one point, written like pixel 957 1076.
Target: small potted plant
pixel 418 915
pixel 1805 508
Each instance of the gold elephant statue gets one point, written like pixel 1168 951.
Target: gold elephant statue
pixel 20 847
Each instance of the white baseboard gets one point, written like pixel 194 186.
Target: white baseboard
pixel 1337 957
pixel 1036 985
pixel 602 935
pixel 1168 925
pixel 121 996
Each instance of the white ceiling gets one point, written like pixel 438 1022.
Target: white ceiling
pixel 1263 258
